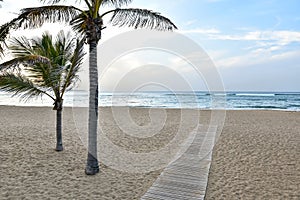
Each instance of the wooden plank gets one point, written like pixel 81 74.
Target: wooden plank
pixel 184 167
pixel 176 192
pixel 186 177
pixel 170 195
pixel 179 189
pixel 169 185
pixel 183 176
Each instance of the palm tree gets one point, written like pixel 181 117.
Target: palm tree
pixel 43 66
pixel 88 22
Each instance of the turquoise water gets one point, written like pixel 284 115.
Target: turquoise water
pixel 204 100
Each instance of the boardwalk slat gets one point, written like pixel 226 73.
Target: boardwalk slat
pixel 177 192
pixel 173 196
pixel 186 177
pixel 183 185
pixel 179 189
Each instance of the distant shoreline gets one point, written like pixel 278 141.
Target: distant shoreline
pixel 141 107
pixel 184 100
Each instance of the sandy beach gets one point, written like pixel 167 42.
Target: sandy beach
pixel 256 156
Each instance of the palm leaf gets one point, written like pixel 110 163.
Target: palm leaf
pixel 85 22
pixel 20 86
pixel 20 47
pixel 64 46
pixel 54 1
pixel 4 32
pixel 36 58
pixel 24 60
pixel 44 46
pixel 51 1
pixel 80 22
pixel 116 3
pixel 140 18
pixel 46 64
pixel 74 67
pixel 35 18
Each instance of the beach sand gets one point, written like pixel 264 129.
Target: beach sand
pixel 256 156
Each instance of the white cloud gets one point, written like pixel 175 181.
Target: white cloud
pixel 191 22
pixel 271 40
pixel 284 37
pixel 264 43
pixel 256 58
pixel 273 73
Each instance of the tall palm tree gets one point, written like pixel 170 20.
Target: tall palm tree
pixel 88 22
pixel 43 66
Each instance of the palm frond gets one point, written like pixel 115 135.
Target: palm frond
pixel 54 1
pixel 73 68
pixel 37 16
pixel 79 22
pixel 51 1
pixel 24 60
pixel 88 25
pixel 64 45
pixel 58 50
pixel 140 18
pixel 4 32
pixel 44 46
pixel 45 64
pixel 20 47
pixel 40 75
pixel 88 3
pixel 116 3
pixel 20 86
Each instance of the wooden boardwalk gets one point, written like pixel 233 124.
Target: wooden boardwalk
pixel 186 177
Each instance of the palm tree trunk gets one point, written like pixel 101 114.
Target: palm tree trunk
pixel 92 166
pixel 59 145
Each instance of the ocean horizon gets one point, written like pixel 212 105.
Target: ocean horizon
pixel 289 101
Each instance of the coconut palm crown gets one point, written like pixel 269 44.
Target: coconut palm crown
pixel 43 66
pixel 88 22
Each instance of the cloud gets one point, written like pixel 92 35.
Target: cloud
pixel 274 73
pixel 191 22
pixel 259 44
pixel 284 37
pixel 256 58
pixel 270 41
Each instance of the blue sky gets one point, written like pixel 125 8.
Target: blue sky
pixel 255 44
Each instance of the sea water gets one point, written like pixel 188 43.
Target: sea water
pixel 203 100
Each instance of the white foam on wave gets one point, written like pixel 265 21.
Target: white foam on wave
pixel 255 94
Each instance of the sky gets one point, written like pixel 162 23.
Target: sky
pixel 254 44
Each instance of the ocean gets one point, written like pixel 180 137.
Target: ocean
pixel 203 100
